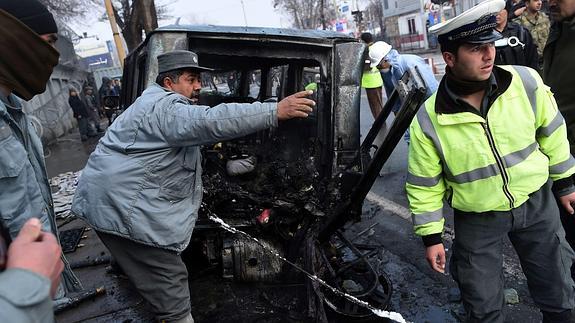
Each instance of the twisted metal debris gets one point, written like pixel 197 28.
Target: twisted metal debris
pixel 65 184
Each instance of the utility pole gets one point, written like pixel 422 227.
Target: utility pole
pixel 322 14
pixel 423 19
pixel 244 10
pixel 117 38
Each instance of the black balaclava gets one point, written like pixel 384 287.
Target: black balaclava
pixel 26 60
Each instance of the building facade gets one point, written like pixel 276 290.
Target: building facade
pixel 405 24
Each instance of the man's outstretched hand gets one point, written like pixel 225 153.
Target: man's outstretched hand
pixel 296 105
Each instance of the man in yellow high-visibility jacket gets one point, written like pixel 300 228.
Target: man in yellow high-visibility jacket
pixel 491 143
pixel 372 82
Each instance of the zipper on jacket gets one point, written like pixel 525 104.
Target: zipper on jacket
pixel 499 163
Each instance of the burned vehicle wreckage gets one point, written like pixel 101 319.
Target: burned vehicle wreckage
pixel 299 184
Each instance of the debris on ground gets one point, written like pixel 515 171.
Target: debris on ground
pixel 511 296
pixel 63 189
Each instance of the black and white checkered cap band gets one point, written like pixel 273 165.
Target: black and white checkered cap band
pixel 479 26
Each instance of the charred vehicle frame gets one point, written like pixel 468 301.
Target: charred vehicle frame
pixel 299 183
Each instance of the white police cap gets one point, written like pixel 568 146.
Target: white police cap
pixel 475 25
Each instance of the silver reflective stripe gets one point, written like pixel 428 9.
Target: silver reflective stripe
pixel 428 130
pixel 427 217
pixel 517 157
pixel 562 167
pixel 511 159
pixel 530 85
pixel 423 181
pixel 476 174
pixel 553 125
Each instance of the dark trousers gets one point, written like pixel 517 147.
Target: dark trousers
pixel 159 275
pixel 375 100
pixel 535 231
pixel 568 221
pixel 83 127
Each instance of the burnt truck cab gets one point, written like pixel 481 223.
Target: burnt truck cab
pixel 296 166
pixel 266 64
pixel 298 183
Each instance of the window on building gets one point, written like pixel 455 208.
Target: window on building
pixel 385 4
pixel 411 26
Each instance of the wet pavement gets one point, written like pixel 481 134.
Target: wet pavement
pixel 419 294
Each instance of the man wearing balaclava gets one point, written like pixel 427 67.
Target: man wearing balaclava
pixel 27 57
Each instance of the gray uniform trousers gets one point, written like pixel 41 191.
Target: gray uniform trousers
pixel 159 275
pixel 535 231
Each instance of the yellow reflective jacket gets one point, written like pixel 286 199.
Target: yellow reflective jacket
pixel 486 164
pixel 371 79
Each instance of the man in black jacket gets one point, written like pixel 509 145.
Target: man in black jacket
pixel 559 74
pixel 517 47
pixel 80 113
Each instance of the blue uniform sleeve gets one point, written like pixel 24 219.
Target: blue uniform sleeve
pixel 25 297
pixel 188 125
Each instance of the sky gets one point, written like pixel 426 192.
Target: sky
pixel 258 13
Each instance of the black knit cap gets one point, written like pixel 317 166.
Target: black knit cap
pixel 31 13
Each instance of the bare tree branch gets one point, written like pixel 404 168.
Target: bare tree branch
pixel 134 17
pixel 307 14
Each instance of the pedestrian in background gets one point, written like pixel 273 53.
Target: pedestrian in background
pixel 80 113
pixel 371 81
pixel 538 25
pixel 517 46
pixel 117 86
pixel 491 143
pixel 106 90
pixel 93 111
pixel 559 74
pixel 393 65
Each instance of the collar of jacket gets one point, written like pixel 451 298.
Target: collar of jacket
pixel 556 28
pixel 451 109
pixel 10 102
pixel 511 29
pixel 156 89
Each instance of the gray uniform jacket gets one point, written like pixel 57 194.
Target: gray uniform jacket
pixel 143 181
pixel 24 187
pixel 25 297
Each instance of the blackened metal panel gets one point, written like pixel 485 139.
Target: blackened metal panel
pixel 347 70
pixel 160 43
pixel 310 36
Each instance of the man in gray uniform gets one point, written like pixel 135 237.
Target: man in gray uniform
pixel 142 186
pixel 25 66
